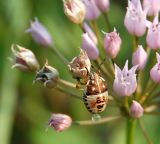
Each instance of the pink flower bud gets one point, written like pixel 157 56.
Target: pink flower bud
pixel 125 82
pixel 153 35
pixel 139 58
pixel 60 122
pixel 155 71
pixel 40 34
pixel 103 5
pixel 90 47
pixel 112 44
pixel 25 59
pixel 135 18
pixel 92 11
pixel 153 6
pixel 136 110
pixel 90 33
pixel 75 10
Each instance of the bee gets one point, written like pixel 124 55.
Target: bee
pixel 95 95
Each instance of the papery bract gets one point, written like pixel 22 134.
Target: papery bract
pixel 155 71
pixel 135 18
pixel 139 58
pixel 125 82
pixel 90 47
pixel 112 43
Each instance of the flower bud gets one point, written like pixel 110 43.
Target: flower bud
pixel 153 6
pixel 90 33
pixel 155 71
pixel 153 34
pixel 74 10
pixel 125 82
pixel 136 110
pixel 90 47
pixel 80 66
pixel 135 18
pixel 40 34
pixel 103 5
pixel 92 11
pixel 60 122
pixel 139 58
pixel 25 59
pixel 112 44
pixel 48 76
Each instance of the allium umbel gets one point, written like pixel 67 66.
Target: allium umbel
pixel 136 110
pixel 153 34
pixel 60 122
pixel 25 59
pixel 90 47
pixel 139 58
pixel 135 18
pixel 155 71
pixel 74 10
pixel 40 34
pixel 112 43
pixel 153 6
pixel 125 82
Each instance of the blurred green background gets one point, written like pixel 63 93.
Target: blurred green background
pixel 25 108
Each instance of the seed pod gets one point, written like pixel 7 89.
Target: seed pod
pixel 80 66
pixel 96 95
pixel 48 76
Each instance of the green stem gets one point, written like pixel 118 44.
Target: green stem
pixel 131 125
pixel 107 21
pixel 135 42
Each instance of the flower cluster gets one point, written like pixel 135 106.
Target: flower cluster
pixel 97 75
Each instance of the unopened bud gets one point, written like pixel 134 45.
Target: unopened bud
pixel 40 34
pixel 60 122
pixel 48 75
pixel 136 110
pixel 24 59
pixel 80 66
pixel 74 10
pixel 103 5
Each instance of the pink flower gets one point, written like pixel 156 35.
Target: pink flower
pixel 90 33
pixel 153 6
pixel 92 11
pixel 60 122
pixel 135 18
pixel 155 71
pixel 103 5
pixel 153 35
pixel 90 47
pixel 112 44
pixel 125 82
pixel 136 110
pixel 75 10
pixel 24 59
pixel 40 33
pixel 139 57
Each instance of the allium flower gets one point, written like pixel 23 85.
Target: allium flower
pixel 25 59
pixel 112 43
pixel 40 34
pixel 125 82
pixel 90 33
pixel 75 10
pixel 60 122
pixel 155 71
pixel 90 47
pixel 139 57
pixel 153 6
pixel 136 110
pixel 48 76
pixel 92 11
pixel 153 35
pixel 135 18
pixel 103 5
